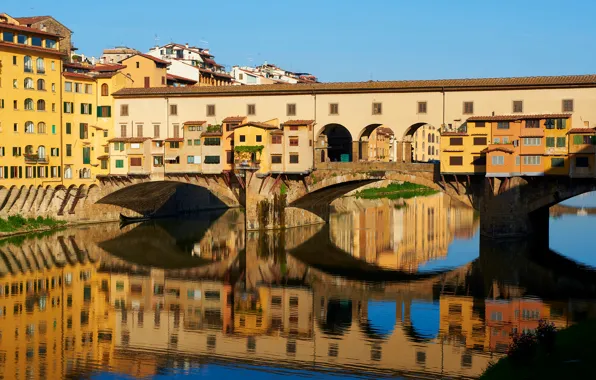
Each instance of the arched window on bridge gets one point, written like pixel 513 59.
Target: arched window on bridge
pixel 429 137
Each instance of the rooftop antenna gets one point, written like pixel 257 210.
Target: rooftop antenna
pixel 156 40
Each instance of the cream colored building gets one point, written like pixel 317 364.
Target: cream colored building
pixel 426 144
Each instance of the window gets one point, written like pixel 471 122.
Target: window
pixel 480 124
pixel 157 161
pixel 456 141
pixel 276 158
pixel 86 155
pixel 582 162
pixel 104 111
pixel 531 141
pixel 41 105
pixel 503 125
pixel 124 110
pixel 119 146
pixel 119 164
pixel 212 141
pixel 333 109
pixel 518 106
pixel 534 123
pixel 377 108
pixel 28 84
pixel 79 88
pixel 88 89
pixel 531 160
pixel 580 140
pixel 197 142
pixel 68 150
pixel 136 161
pixel 293 141
pixel 498 160
pixel 421 107
pixel 468 107
pixel 276 139
pixel 173 109
pixel 293 158
pixel 212 159
pixel 242 138
pixel 156 128
pixel 27 64
pixel 83 131
pixel 54 152
pixel 567 105
pixel 139 130
pixel 479 140
pixel 8 36
pixel 550 142
pixel 105 90
pixel 68 107
pixel 29 127
pixel 211 110
pixel 86 109
pixel 174 144
pixel 456 160
pixel 561 123
pixel 251 109
pixel 29 104
pixel 557 162
pixel 68 128
pixel 41 85
pixel 40 66
pixel 41 127
pixel 561 142
pixel 291 109
pixel 259 138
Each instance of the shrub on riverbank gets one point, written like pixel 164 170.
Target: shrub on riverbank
pixel 568 354
pixel 395 191
pixel 16 223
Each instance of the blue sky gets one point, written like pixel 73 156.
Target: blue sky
pixel 349 40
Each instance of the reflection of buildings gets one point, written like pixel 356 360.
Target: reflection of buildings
pixel 425 145
pixel 399 235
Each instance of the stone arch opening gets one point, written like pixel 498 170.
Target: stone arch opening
pixel 421 142
pixel 334 144
pixel 376 143
pixel 338 318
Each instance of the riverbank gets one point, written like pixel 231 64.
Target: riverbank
pixel 16 225
pixel 403 190
pixel 572 358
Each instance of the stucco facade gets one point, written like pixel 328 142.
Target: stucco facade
pixel 145 70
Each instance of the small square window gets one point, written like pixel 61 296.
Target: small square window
pixel 291 110
pixel 251 109
pixel 421 107
pixel 518 106
pixel 377 109
pixel 333 109
pixel 211 110
pixel 567 105
pixel 468 107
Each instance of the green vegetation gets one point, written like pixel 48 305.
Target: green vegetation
pixel 283 189
pixel 17 223
pixel 214 128
pixel 249 149
pixel 570 357
pixel 396 191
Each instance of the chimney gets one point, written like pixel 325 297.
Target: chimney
pixel 187 45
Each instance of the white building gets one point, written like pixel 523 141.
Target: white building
pixel 269 74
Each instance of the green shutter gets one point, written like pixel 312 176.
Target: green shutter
pixel 82 131
pixel 578 140
pixel 109 111
pixel 20 172
pixel 39 172
pixel 68 128
pixel 86 156
pixel 561 143
pixel 99 111
pixel 82 108
pixel 550 142
pixel 59 171
pixel 564 123
pixel 64 107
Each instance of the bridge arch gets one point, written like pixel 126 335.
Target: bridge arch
pixel 425 146
pixel 375 143
pixel 334 142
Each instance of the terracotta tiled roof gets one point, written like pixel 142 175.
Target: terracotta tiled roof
pixel 174 139
pixel 78 65
pixel 277 132
pixel 454 149
pixel 257 124
pixel 389 86
pixel 107 74
pixel 27 29
pixel 31 20
pixel 104 157
pixel 217 74
pixel 581 130
pixel 176 77
pixel 104 68
pixel 154 59
pixel 519 117
pixel 298 122
pixel 454 134
pixel 234 119
pixel 67 74
pixel 385 131
pixel 195 122
pixel 31 48
pixel 501 148
pixel 129 139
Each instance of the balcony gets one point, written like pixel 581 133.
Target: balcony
pixel 247 165
pixel 36 159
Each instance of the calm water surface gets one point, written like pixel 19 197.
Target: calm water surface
pixel 400 288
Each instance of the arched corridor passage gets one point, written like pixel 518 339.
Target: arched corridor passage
pixel 334 144
pixel 423 140
pixel 376 143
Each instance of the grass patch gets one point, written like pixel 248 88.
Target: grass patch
pixel 571 358
pixel 404 190
pixel 16 223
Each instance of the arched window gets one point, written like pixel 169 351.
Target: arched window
pixel 29 150
pixel 28 83
pixel 105 90
pixel 41 152
pixel 433 137
pixel 429 137
pixel 68 172
pixel 41 127
pixel 41 68
pixel 41 84
pixel 432 151
pixel 28 64
pixel 29 127
pixel 429 153
pixel 41 105
pixel 29 104
pixel 423 146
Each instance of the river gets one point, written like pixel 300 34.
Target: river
pixel 401 288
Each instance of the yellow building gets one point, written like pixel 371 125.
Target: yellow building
pixel 229 123
pixel 146 71
pixel 251 144
pixel 462 152
pixel 30 129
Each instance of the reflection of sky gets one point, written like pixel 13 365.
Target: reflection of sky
pixel 460 252
pixel 584 200
pixel 381 316
pixel 573 237
pixel 425 317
